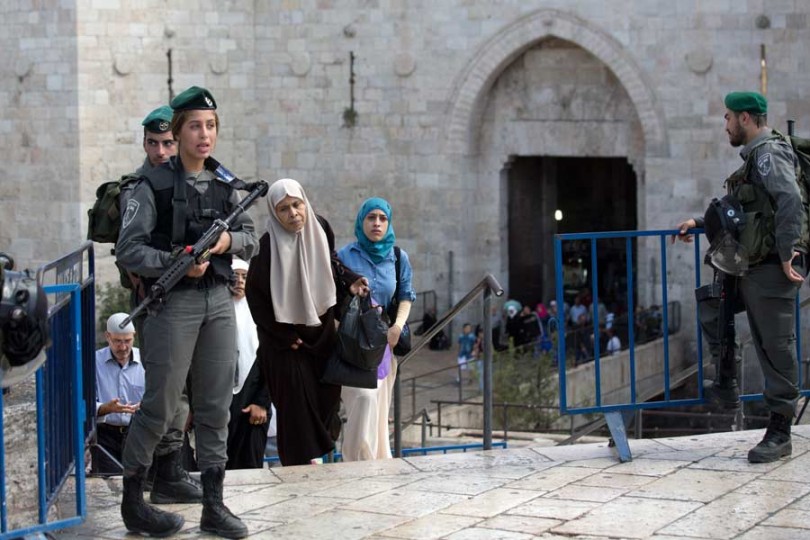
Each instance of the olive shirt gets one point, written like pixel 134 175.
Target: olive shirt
pixel 140 218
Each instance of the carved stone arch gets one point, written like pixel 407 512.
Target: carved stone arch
pixel 473 84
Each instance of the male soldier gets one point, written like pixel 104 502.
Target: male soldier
pixel 193 330
pixel 170 482
pixel 765 186
pixel 158 141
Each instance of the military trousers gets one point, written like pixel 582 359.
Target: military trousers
pixel 770 303
pixel 172 441
pixel 193 333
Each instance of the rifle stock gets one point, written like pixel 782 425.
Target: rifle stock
pixel 197 253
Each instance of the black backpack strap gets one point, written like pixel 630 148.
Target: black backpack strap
pixel 179 205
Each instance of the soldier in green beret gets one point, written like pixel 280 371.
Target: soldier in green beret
pixel 774 237
pixel 158 140
pixel 193 333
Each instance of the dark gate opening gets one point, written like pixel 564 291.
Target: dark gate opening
pixel 587 194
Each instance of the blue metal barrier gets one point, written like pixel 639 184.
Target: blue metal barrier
pixel 62 392
pixel 617 413
pixel 421 451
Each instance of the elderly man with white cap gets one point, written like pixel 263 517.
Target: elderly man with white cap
pixel 119 389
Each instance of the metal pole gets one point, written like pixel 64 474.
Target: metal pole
pixel 397 417
pixel 487 370
pixel 450 294
pixel 413 396
pixel 460 377
pixel 424 428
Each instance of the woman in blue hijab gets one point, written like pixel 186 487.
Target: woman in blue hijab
pixel 373 255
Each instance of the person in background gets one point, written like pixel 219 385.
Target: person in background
pixel 250 407
pixel 466 343
pixel 119 390
pixel 372 255
pixel 614 344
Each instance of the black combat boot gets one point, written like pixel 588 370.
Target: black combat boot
pixel 172 483
pixel 142 518
pixel 216 518
pixel 776 442
pixel 723 392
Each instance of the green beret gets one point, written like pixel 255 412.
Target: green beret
pixel 159 120
pixel 194 98
pixel 750 102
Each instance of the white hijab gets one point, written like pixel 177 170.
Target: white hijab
pixel 301 282
pixel 247 339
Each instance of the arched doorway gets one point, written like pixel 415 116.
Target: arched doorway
pixel 548 90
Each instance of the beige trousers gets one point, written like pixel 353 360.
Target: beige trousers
pixel 366 435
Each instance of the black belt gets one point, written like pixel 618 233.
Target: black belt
pixel 773 258
pixel 113 428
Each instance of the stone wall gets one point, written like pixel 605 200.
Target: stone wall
pixel 39 129
pixel 443 92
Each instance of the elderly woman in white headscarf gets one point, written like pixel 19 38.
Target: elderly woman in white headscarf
pixel 250 407
pixel 293 286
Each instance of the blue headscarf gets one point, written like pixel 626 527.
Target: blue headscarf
pixel 378 251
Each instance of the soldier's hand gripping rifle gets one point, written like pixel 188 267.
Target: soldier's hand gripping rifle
pixel 198 253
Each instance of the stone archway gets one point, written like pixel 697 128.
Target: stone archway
pixel 473 84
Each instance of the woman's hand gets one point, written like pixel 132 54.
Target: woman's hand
pixel 223 244
pixel 258 414
pixel 359 287
pixel 297 343
pixel 393 335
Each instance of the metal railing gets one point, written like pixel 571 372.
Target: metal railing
pixel 616 413
pixel 486 287
pixel 61 392
pixel 504 406
pixel 629 237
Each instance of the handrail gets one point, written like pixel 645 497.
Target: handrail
pixel 487 286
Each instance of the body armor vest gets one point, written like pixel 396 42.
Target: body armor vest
pixel 201 211
pixel 758 236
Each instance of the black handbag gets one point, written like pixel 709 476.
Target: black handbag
pixel 403 346
pixel 362 334
pixel 340 372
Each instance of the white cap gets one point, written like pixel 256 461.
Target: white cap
pixel 115 320
pixel 239 264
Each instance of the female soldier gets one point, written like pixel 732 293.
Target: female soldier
pixel 372 255
pixel 292 288
pixel 194 331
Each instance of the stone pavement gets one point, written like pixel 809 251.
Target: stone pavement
pixel 675 488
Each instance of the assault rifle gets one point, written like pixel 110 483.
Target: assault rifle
pixel 728 334
pixel 198 253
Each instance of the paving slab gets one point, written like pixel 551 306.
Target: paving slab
pixel 687 488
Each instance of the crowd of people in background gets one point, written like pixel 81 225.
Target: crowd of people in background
pixel 534 326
